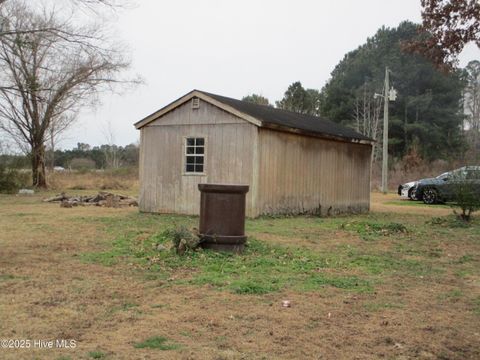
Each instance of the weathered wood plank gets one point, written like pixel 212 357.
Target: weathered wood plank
pixel 306 174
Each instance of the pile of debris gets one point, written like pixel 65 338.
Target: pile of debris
pixel 101 199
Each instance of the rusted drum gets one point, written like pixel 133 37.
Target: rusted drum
pixel 222 216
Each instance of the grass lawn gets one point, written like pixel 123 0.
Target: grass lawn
pixel 400 282
pixel 406 202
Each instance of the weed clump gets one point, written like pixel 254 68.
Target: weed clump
pixel 448 222
pixel 183 239
pixel 369 229
pixel 97 354
pixel 157 342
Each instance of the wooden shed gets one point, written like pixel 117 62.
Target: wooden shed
pixel 294 163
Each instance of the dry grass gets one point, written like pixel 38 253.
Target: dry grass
pixel 120 179
pixel 134 310
pixel 392 203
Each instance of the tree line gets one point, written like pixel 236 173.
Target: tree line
pixel 437 112
pixel 81 157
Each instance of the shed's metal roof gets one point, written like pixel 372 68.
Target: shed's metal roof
pixel 268 117
pixel 289 119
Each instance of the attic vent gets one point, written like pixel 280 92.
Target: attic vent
pixel 195 103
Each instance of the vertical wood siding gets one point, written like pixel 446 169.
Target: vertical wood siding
pixel 287 173
pixel 301 174
pixel 230 144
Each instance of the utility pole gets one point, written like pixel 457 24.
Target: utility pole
pixel 386 100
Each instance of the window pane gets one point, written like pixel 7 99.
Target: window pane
pixel 194 155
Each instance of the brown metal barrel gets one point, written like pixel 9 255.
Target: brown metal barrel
pixel 222 216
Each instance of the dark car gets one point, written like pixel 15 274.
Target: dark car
pixel 443 187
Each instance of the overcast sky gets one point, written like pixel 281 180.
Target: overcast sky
pixel 233 49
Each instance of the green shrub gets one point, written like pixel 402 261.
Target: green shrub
pixel 183 239
pixel 11 180
pixel 467 198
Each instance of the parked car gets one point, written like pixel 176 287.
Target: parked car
pixel 407 190
pixel 442 187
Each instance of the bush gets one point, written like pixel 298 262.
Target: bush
pixel 467 198
pixel 183 239
pixel 11 180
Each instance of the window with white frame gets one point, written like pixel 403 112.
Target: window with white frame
pixel 194 155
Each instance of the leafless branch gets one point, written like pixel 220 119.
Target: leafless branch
pixel 48 76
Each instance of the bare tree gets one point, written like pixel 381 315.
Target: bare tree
pixel 366 114
pixel 472 102
pixel 110 150
pixel 56 129
pixel 48 76
pixel 111 3
pixel 6 29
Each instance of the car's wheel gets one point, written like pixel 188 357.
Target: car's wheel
pixel 430 196
pixel 411 193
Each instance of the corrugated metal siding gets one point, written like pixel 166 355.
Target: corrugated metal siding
pixel 301 174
